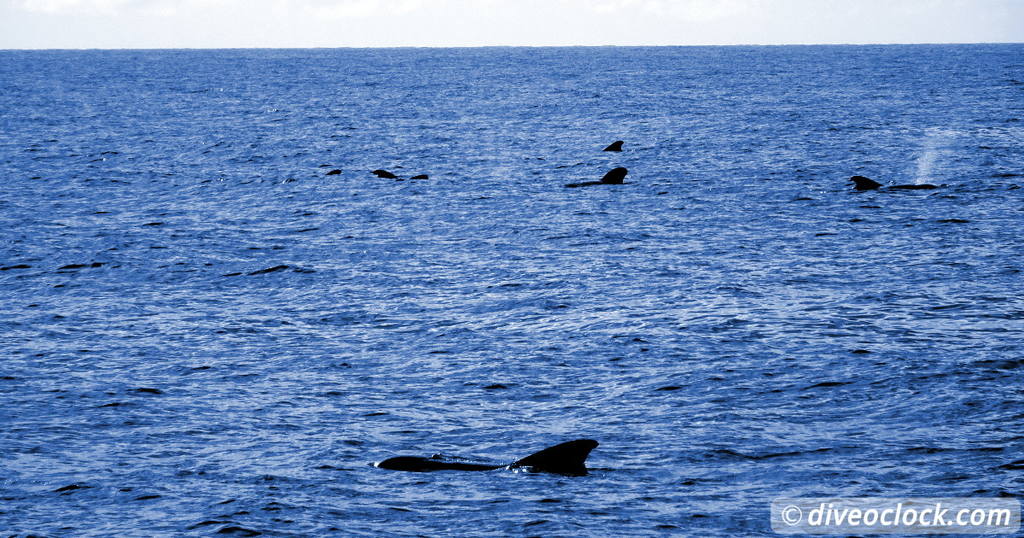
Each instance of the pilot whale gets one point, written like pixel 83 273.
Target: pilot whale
pixel 862 183
pixel 567 458
pixel 613 177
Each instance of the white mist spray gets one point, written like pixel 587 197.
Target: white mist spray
pixel 936 142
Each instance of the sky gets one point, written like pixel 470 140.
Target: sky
pixel 84 24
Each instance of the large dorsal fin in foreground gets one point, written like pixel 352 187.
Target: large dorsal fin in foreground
pixel 568 458
pixel 615 176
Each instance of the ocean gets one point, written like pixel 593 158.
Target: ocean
pixel 203 331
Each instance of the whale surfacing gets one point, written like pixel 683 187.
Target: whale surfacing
pixel 862 183
pixel 613 177
pixel 567 459
pixel 614 146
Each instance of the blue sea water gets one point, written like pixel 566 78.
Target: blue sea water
pixel 734 324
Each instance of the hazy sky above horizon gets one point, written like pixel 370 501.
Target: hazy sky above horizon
pixel 383 23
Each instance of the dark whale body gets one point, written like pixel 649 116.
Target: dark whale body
pixel 567 458
pixel 384 174
pixel 916 187
pixel 862 183
pixel 613 177
pixel 614 146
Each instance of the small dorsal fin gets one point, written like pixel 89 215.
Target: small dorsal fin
pixel 568 458
pixel 862 183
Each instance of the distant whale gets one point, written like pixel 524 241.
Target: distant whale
pixel 915 187
pixel 613 177
pixel 384 174
pixel 567 458
pixel 862 183
pixel 614 146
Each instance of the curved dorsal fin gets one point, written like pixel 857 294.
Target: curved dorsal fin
pixel 862 183
pixel 568 458
pixel 615 176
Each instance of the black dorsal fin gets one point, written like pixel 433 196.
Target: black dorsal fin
pixel 862 183
pixel 615 176
pixel 568 458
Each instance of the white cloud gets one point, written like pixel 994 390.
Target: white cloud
pixel 683 10
pixel 117 7
pixel 348 9
pixel 693 11
pixel 283 23
pixel 56 7
pixel 318 9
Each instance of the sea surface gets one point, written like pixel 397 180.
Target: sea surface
pixel 202 332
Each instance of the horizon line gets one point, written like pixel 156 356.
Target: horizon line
pixel 361 47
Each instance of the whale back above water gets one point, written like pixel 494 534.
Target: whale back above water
pixel 614 146
pixel 612 177
pixel 615 176
pixel 437 462
pixel 862 183
pixel 567 458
